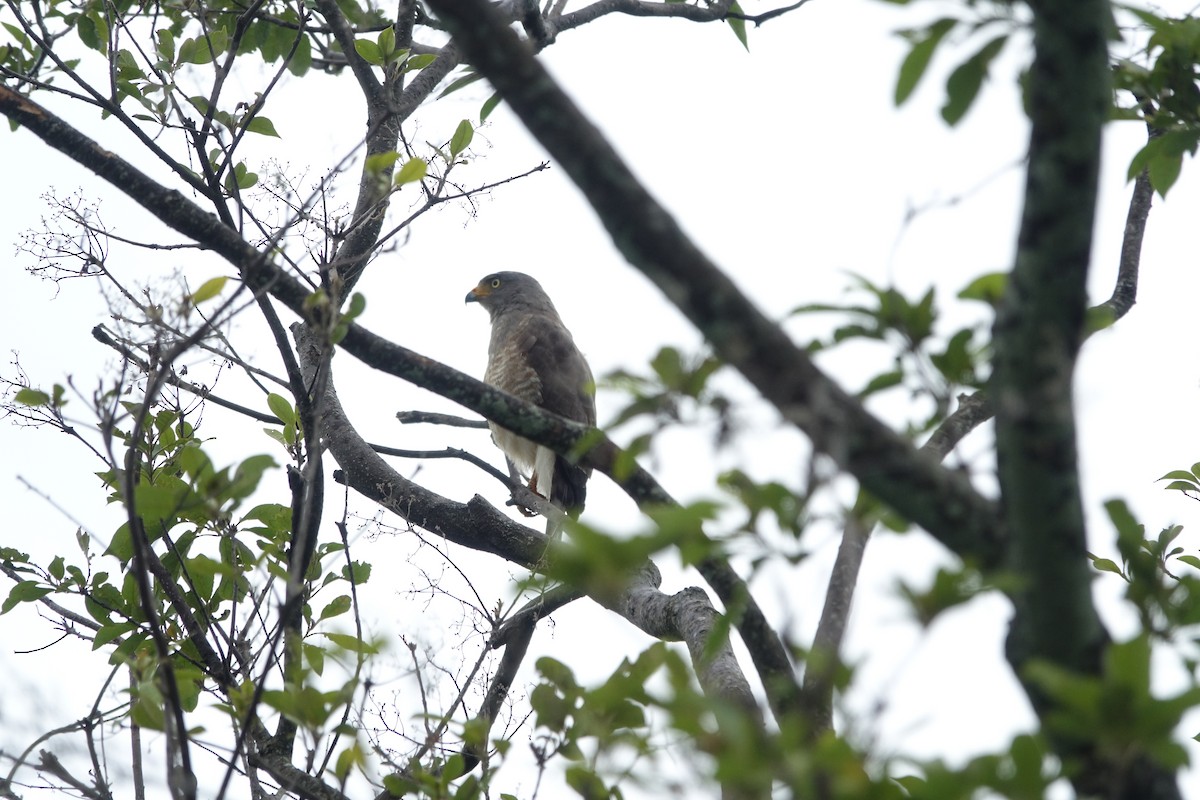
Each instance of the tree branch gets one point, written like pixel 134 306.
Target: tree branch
pixel 435 418
pixel 562 435
pixel 687 616
pixel 973 410
pixel 942 502
pixel 1037 333
pixel 1125 292
pixel 1038 330
pixel 293 779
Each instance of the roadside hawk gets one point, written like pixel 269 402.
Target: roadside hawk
pixel 531 355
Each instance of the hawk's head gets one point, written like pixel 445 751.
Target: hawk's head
pixel 503 291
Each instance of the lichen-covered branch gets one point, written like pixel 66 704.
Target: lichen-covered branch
pixel 1038 330
pixel 1037 333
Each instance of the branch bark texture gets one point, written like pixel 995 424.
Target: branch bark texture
pixel 1038 330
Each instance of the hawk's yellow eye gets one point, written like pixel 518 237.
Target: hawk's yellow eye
pixel 495 283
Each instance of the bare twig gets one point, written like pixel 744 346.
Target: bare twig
pixel 51 765
pixel 433 418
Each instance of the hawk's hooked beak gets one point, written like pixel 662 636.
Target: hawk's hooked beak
pixel 478 293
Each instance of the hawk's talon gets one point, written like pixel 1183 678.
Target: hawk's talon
pixel 524 509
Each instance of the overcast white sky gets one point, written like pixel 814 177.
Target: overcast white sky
pixel 790 167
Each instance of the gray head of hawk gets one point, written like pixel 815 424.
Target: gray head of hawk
pixel 532 355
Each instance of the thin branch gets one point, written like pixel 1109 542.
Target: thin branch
pixel 449 452
pixel 101 335
pixel 766 16
pixel 434 418
pixel 540 607
pixel 973 410
pixel 710 12
pixel 516 645
pixel 1125 292
pixel 109 107
pixel 344 34
pixel 65 613
pixel 50 764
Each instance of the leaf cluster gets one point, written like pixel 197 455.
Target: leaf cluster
pixel 931 365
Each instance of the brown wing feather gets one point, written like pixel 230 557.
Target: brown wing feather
pixel 532 356
pixel 567 390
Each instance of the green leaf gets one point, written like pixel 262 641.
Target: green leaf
pixel 399 785
pixel 1164 171
pixel 965 81
pixel 17 34
pixel 32 397
pixel 352 643
pixel 108 633
pixel 1106 565
pixel 93 30
pixel 218 40
pixel 1097 318
pixel 24 592
pixel 263 126
pixel 459 83
pixel 917 61
pixel 148 710
pixel 316 658
pixel 336 607
pixel 412 171
pixel 585 782
pixel 556 672
pixel 1191 561
pixel 462 137
pixel 193 51
pixel 489 106
pixel 881 382
pixel 368 51
pixel 240 177
pixel 302 57
pixel 247 476
pixel 158 504
pixel 209 289
pixel 281 408
pixel 1162 157
pixel 1180 475
pixel 349 758
pixel 381 161
pixel 419 62
pixel 357 572
pixel 986 288
pixel 387 42
pixel 245 178
pixel 551 707
pixel 738 26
